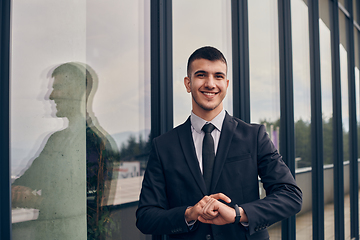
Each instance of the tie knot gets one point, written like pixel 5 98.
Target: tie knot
pixel 208 128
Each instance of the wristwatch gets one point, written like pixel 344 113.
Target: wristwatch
pixel 237 211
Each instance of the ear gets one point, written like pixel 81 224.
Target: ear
pixel 187 84
pixel 227 83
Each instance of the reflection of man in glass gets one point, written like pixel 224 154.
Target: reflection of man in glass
pixel 55 182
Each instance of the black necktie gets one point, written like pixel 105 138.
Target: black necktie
pixel 208 154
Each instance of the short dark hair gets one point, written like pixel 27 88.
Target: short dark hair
pixel 208 53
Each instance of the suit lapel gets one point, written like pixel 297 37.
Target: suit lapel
pixel 187 145
pixel 226 136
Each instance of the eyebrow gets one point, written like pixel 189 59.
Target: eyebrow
pixel 202 71
pixel 199 71
pixel 221 73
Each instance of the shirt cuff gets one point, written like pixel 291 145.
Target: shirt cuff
pixel 191 223
pixel 245 224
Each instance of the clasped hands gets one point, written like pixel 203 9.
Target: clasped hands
pixel 210 210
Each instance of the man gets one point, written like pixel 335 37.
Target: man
pixel 205 185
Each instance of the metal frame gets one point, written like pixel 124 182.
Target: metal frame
pixel 161 70
pixel 240 56
pixel 287 131
pixel 337 123
pixel 5 200
pixel 355 199
pixel 161 67
pixel 353 153
pixel 317 145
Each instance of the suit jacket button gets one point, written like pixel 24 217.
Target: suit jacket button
pixel 208 237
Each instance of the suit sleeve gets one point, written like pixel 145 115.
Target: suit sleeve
pixel 283 197
pixel 153 215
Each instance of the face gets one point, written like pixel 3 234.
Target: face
pixel 66 95
pixel 207 84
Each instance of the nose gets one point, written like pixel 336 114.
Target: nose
pixel 210 82
pixel 51 97
pixel 54 94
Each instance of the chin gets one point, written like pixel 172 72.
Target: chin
pixel 59 115
pixel 210 107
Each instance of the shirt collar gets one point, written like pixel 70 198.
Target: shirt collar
pixel 197 122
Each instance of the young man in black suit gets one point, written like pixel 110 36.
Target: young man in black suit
pixel 201 180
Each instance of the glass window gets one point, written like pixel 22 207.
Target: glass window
pixel 327 115
pixel 48 131
pixel 345 114
pixel 80 117
pixel 196 30
pixel 264 63
pixel 264 74
pixel 301 72
pixel 327 111
pixel 302 113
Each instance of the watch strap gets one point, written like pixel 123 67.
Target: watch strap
pixel 237 211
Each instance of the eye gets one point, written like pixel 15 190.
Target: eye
pixel 219 76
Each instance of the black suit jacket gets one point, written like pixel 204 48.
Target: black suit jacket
pixel 173 181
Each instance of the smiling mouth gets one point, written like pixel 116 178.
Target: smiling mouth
pixel 209 93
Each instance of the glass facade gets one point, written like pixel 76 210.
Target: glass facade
pixel 81 153
pixel 80 101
